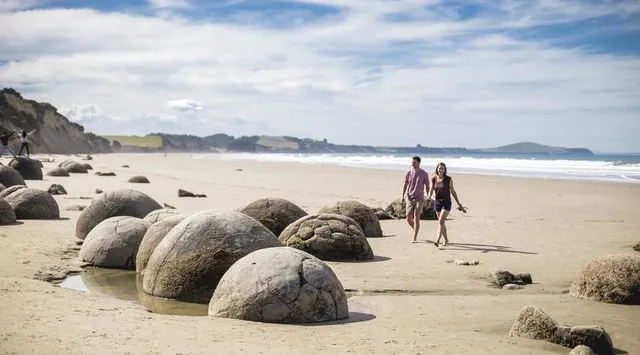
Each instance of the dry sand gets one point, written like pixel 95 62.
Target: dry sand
pixel 548 228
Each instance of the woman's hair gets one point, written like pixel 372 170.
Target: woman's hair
pixel 445 168
pixel 24 133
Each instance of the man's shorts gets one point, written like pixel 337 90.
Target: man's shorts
pixel 440 205
pixel 414 206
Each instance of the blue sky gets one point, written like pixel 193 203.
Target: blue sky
pixel 474 73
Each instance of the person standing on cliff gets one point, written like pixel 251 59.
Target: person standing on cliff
pixel 24 138
pixel 416 183
pixel 5 144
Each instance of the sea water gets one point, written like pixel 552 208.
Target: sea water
pixel 623 168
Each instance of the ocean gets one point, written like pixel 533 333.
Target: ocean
pixel 621 168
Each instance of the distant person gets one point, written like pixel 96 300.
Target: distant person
pixel 24 138
pixel 416 183
pixel 5 144
pixel 442 184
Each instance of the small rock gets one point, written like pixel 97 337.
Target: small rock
pixel 500 277
pixel 98 191
pixel 110 173
pixel 185 193
pixel 139 180
pixel 581 350
pixel 125 166
pixel 524 278
pixel 49 276
pixel 79 242
pixel 88 157
pixel 57 189
pixel 75 208
pixel 511 287
pixel 466 262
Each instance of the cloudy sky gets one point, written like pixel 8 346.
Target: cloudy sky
pixel 473 73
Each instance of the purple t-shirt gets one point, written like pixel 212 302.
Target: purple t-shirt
pixel 416 181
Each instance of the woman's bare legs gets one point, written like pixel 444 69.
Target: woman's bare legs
pixel 442 228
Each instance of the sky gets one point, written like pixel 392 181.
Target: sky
pixel 466 73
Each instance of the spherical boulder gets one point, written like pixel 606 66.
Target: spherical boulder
pixel 153 237
pixel 362 214
pixel 160 214
pixel 74 167
pixel 2 187
pixel 30 203
pixel 10 176
pixel 330 237
pixel 114 242
pixel 274 213
pixel 7 215
pixel 87 166
pixel 190 260
pixel 610 279
pixel 636 247
pixel 139 180
pixel 114 203
pixel 58 172
pixel 9 190
pixel 280 285
pixel 399 210
pixel 27 167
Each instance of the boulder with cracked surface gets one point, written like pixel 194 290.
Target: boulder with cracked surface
pixel 280 285
pixel 114 242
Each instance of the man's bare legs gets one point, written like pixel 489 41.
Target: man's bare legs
pixel 416 225
pixel 442 228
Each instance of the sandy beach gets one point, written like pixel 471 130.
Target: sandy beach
pixel 412 299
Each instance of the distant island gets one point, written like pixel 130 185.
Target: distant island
pixel 56 134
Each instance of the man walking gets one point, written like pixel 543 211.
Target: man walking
pixel 416 183
pixel 5 144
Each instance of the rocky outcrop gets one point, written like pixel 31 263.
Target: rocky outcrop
pixel 54 132
pixel 280 285
pixel 610 279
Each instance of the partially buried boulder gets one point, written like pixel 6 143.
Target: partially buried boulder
pixel 74 167
pixel 9 190
pixel 10 177
pixel 160 214
pixel 382 214
pixel 57 189
pixel 58 172
pixel 399 210
pixel 153 237
pixel 33 204
pixel 329 237
pixel 7 215
pixel 533 323
pixel 190 260
pixel 362 214
pixel 87 166
pixel 610 279
pixel 114 203
pixel 280 285
pixel 114 242
pixel 28 168
pixel 274 213
pixel 109 173
pixel 139 180
pixel 637 246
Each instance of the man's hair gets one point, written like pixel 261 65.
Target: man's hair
pixel 416 158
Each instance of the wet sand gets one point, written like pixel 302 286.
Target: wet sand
pixel 414 299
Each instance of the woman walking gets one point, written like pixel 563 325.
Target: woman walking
pixel 24 138
pixel 442 184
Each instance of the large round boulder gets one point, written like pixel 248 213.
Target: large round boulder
pixel 280 285
pixel 139 180
pixel 27 167
pixel 190 260
pixel 10 176
pixel 610 279
pixel 114 203
pixel 30 203
pixel 274 213
pixel 74 167
pixel 8 191
pixel 7 215
pixel 58 172
pixel 158 215
pixel 636 247
pixel 114 242
pixel 330 237
pixel 153 237
pixel 362 214
pixel 399 210
pixel 2 187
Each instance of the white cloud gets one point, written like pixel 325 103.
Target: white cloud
pixel 163 4
pixel 353 77
pixel 13 5
pixel 185 105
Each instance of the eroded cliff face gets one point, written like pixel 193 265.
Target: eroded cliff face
pixel 54 133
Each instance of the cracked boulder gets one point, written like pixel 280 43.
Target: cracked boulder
pixel 139 180
pixel 190 260
pixel 73 167
pixel 114 242
pixel 533 323
pixel 330 237
pixel 280 285
pixel 10 177
pixel 30 203
pixel 362 214
pixel 274 213
pixel 57 189
pixel 114 203
pixel 153 237
pixel 160 214
pixel 27 167
pixel 9 190
pixel 7 215
pixel 610 279
pixel 399 210
pixel 58 172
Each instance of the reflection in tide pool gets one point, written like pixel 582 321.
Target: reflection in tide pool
pixel 125 285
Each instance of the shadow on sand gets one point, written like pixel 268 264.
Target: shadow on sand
pixel 354 317
pixel 485 248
